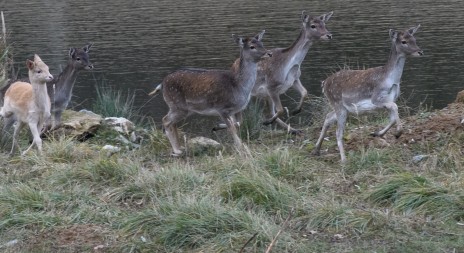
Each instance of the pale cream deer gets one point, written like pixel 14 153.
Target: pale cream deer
pixel 29 103
pixel 360 91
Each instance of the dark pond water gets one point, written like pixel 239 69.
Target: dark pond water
pixel 136 43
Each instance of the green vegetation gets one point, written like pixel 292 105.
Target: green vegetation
pixel 76 199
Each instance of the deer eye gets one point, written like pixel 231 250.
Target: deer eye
pixel 39 71
pixel 313 26
pixel 252 47
pixel 404 42
pixel 78 59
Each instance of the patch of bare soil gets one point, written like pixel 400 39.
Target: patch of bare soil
pixel 419 128
pixel 75 238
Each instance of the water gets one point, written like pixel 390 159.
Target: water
pixel 137 43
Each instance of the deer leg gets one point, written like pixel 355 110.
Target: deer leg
pixel 230 122
pixel 19 125
pixel 170 127
pixel 55 120
pixel 394 119
pixel 330 119
pixel 275 104
pixel 341 121
pixel 303 93
pixel 7 124
pixel 36 137
pixel 222 126
pixel 274 116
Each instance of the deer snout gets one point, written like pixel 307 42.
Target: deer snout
pixel 327 36
pixel 49 77
pixel 88 67
pixel 418 53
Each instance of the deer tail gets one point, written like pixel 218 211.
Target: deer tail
pixel 156 90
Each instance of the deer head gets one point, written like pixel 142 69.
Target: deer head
pixel 80 57
pixel 405 42
pixel 38 71
pixel 315 26
pixel 253 45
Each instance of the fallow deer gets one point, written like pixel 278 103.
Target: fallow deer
pixel 360 91
pixel 29 103
pixel 281 72
pixel 60 88
pixel 223 93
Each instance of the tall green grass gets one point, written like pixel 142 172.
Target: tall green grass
pixel 111 102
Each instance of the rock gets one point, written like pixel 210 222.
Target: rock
pixel 460 97
pixel 419 158
pixel 199 145
pixel 81 125
pixel 110 150
pixel 121 125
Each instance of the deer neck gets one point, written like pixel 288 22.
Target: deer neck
pixel 65 81
pixel 41 99
pixel 245 73
pixel 299 48
pixel 395 65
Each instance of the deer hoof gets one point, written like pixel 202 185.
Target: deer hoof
pixel 316 152
pixel 296 132
pixel 398 134
pixel 268 122
pixel 296 111
pixel 176 154
pixel 376 134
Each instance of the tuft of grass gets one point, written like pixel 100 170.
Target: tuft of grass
pixel 252 118
pixel 370 159
pixel 65 149
pixel 259 188
pixel 192 223
pixel 114 103
pixel 409 193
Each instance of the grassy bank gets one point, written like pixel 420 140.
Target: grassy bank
pixel 76 199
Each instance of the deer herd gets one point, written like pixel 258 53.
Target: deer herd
pixel 39 101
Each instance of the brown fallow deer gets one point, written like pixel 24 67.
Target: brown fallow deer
pixel 360 91
pixel 60 88
pixel 281 72
pixel 223 93
pixel 29 103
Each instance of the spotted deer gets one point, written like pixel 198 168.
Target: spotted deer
pixel 29 103
pixel 223 93
pixel 361 91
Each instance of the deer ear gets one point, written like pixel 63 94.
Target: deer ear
pixel 413 30
pixel 326 16
pixel 72 52
pixel 87 48
pixel 37 58
pixel 238 40
pixel 260 35
pixel 393 34
pixel 30 64
pixel 304 17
